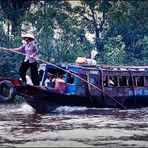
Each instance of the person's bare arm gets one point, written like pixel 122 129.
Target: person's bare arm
pixel 14 49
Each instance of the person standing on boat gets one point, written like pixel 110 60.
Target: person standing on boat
pixel 31 56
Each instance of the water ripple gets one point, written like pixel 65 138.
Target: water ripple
pixel 21 126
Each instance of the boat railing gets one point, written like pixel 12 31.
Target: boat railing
pixel 110 67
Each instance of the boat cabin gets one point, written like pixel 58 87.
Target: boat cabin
pixel 75 77
pixel 98 81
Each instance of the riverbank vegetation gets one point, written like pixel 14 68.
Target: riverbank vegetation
pixel 65 30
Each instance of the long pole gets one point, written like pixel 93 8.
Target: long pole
pixel 69 73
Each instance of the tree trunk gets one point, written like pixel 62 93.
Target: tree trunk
pixel 16 28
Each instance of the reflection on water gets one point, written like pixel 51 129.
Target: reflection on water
pixel 73 127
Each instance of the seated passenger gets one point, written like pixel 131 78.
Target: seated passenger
pixel 60 79
pixel 49 78
pixel 60 85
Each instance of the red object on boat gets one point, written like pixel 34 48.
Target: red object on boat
pixel 60 87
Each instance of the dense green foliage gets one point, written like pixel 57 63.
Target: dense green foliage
pixel 64 30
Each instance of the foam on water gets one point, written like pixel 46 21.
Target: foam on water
pixel 25 108
pixel 68 109
pixel 16 108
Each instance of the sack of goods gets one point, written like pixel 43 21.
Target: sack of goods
pixel 81 60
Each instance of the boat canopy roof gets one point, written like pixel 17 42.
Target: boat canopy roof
pixel 92 67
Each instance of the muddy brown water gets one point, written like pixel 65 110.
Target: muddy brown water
pixel 21 126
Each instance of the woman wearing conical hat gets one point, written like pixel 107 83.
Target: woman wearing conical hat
pixel 31 56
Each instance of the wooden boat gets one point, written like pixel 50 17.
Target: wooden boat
pixel 86 85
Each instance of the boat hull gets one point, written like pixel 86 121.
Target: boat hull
pixel 50 102
pixel 46 100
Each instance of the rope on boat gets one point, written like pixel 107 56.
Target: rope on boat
pixel 69 73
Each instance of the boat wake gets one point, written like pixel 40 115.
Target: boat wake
pixel 69 109
pixel 16 108
pixel 97 111
pixel 25 108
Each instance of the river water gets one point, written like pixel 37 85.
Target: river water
pixel 21 126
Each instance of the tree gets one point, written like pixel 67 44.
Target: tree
pixel 94 13
pixel 14 10
pixel 129 19
pixel 58 30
